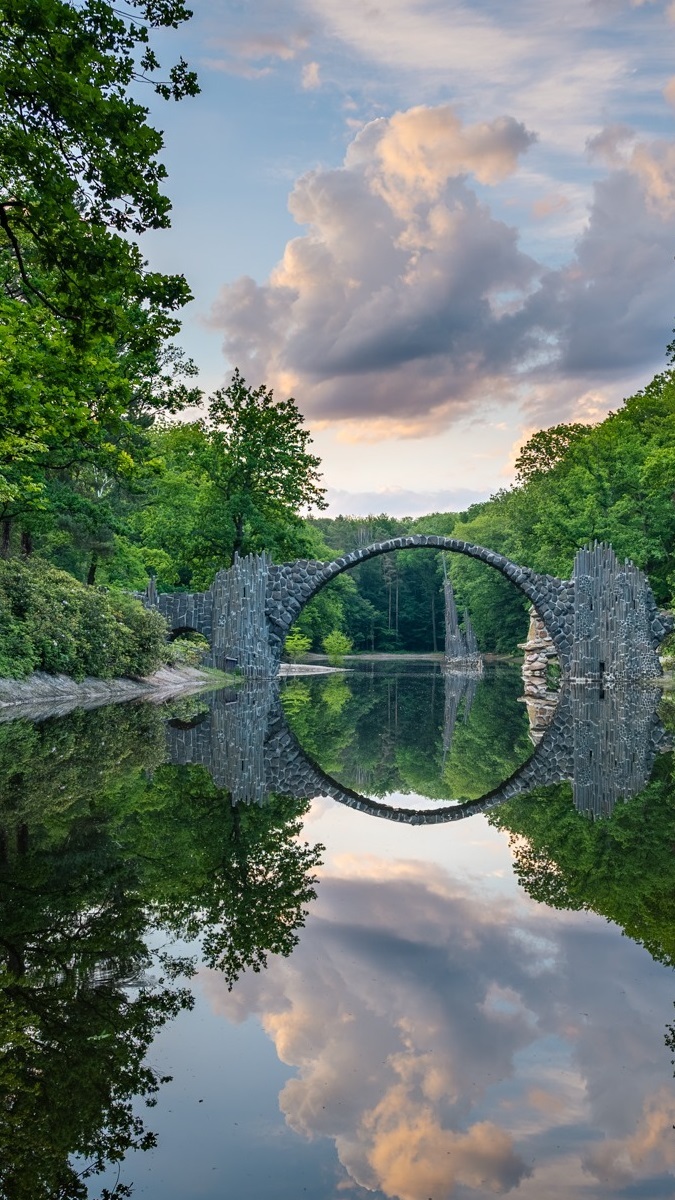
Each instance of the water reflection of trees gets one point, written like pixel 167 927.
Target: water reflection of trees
pixel 383 733
pixel 102 844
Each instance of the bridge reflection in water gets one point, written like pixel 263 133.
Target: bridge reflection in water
pixel 604 742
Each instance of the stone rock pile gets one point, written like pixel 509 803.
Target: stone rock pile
pixel 540 700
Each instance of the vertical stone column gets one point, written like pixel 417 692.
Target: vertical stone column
pixel 240 628
pixel 613 603
pixel 540 700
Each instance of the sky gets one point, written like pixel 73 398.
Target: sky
pixel 440 226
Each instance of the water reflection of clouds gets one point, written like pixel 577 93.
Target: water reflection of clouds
pixel 451 1046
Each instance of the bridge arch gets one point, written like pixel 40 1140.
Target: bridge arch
pixel 292 771
pixel 292 585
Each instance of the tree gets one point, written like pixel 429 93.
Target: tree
pixel 100 846
pixel 79 159
pixel 546 448
pixel 74 448
pixel 259 461
pixel 85 356
pixel 621 866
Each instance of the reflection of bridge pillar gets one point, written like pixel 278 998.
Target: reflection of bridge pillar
pixel 459 685
pixel 230 741
pixel 616 736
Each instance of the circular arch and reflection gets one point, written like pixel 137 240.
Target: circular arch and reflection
pixel 308 778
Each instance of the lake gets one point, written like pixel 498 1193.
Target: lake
pixel 422 956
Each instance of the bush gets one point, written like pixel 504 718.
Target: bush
pixel 51 622
pixel 297 644
pixel 187 651
pixel 336 644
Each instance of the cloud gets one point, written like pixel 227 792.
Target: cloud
pixel 650 1148
pixel 270 45
pixel 669 90
pixel 445 1043
pixel 550 205
pixel 387 307
pixel 437 37
pixel 311 76
pixel 401 502
pixel 249 48
pixel 406 306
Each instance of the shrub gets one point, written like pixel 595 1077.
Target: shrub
pixel 51 622
pixel 186 651
pixel 336 644
pixel 297 644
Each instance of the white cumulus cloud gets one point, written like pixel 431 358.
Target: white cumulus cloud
pixel 407 305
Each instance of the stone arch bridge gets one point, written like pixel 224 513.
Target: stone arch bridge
pixel 603 621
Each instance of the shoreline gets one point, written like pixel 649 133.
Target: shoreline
pixel 404 656
pixel 59 693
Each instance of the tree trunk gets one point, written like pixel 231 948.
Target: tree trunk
pixel 26 543
pixel 5 540
pixel 91 573
pixel 238 535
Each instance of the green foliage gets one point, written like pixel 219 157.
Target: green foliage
pixel 187 650
pixel 577 483
pixel 206 500
pixel 55 624
pixel 104 851
pixel 546 448
pixel 297 644
pixel 365 730
pixel 258 461
pixel 336 645
pixel 79 160
pixel 393 602
pixel 86 359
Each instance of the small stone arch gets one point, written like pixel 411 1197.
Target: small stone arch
pixel 179 630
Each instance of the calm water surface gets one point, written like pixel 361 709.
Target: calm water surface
pixel 348 1007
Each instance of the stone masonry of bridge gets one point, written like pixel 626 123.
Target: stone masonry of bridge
pixel 605 741
pixel 603 622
